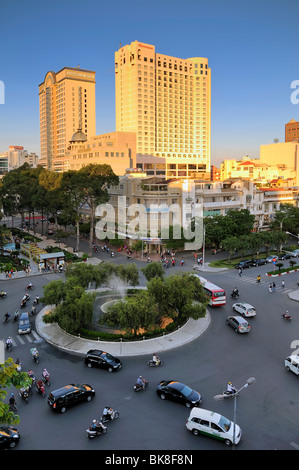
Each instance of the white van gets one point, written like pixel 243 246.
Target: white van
pixel 214 425
pixel 292 363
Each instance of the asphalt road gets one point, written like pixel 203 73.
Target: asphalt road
pixel 266 411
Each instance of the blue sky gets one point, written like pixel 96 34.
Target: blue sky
pixel 252 47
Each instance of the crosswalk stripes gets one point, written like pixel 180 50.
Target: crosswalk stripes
pixel 22 339
pixel 251 280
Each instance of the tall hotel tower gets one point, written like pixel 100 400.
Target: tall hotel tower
pixel 66 103
pixel 167 102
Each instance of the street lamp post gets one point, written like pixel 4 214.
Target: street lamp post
pixel 249 381
pixel 203 247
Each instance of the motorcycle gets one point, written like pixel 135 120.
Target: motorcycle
pixel 235 295
pixel 138 388
pixel 91 433
pixel 32 377
pixel 3 295
pixel 24 394
pixel 152 363
pixel 35 355
pixel 9 346
pixel 46 379
pixel 227 394
pixel 41 390
pixel 23 303
pixel 114 415
pixel 29 287
pixel 286 316
pixel 6 318
pixel 15 316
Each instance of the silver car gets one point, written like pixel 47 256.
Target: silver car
pixel 245 309
pixel 239 324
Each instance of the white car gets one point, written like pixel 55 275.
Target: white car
pixel 244 309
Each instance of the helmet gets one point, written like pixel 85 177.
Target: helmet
pixel 229 383
pixel 94 421
pixel 140 376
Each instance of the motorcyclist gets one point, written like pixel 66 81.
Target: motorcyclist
pixel 33 310
pixel 12 401
pixel 230 388
pixel 141 381
pixel 156 359
pixel 97 426
pixel 2 294
pixel 36 300
pixel 16 315
pixel 9 342
pixel 107 412
pixel 235 292
pixel 39 384
pixel 258 278
pixel 6 316
pixel 34 352
pixel 30 285
pixel 46 375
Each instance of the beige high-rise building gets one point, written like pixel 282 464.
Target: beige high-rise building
pixel 167 102
pixel 67 103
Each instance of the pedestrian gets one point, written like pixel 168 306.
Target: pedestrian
pixel 270 287
pixel 282 284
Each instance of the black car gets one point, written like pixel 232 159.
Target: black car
pixel 285 256
pixel 259 262
pixel 244 264
pixel 69 395
pixel 98 358
pixel 9 437
pixel 179 392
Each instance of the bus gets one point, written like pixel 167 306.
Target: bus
pixel 216 294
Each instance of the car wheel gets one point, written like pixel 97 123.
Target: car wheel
pixel 163 396
pixel 63 409
pixel 89 398
pixel 228 442
pixel 89 364
pixel 110 369
pixel 188 404
pixel 12 444
pixel 236 330
pixel 195 432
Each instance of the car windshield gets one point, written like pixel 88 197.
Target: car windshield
pixel 250 310
pixel 224 423
pixel 108 357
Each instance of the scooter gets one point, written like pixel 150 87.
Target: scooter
pixel 235 295
pixel 3 295
pixel 138 388
pixel 41 390
pixel 9 346
pixel 15 316
pixel 46 379
pixel 24 394
pixel 6 318
pixel 227 394
pixel 286 316
pixel 91 433
pixel 152 363
pixel 35 356
pixel 114 415
pixel 30 287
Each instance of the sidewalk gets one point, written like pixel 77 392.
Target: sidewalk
pixel 58 338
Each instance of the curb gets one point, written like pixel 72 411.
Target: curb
pixel 66 342
pixel 282 274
